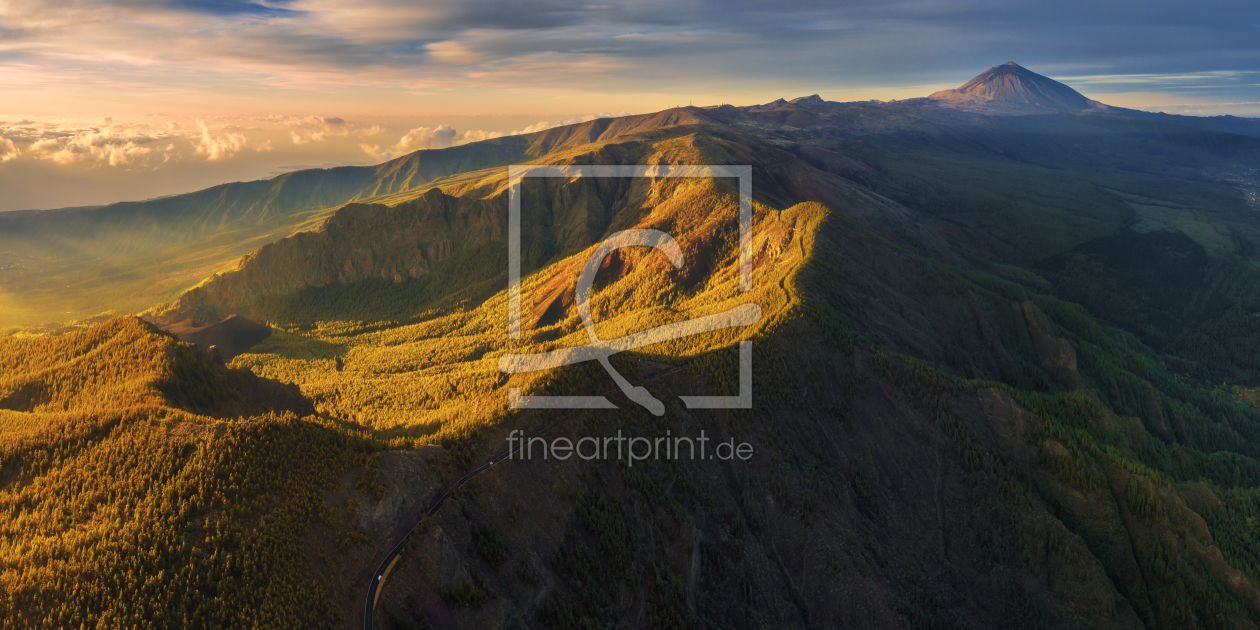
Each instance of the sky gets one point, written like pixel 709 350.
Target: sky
pixel 132 99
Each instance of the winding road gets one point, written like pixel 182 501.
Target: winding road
pixel 387 564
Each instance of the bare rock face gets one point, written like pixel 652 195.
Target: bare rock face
pixel 1009 421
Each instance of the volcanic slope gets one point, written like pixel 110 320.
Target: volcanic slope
pixel 1006 193
pixel 1011 87
pixel 917 423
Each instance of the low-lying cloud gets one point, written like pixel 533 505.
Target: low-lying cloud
pixel 443 136
pixel 51 163
pixel 160 141
pixel 8 150
pixel 111 144
pixel 149 145
pixel 135 145
pixel 219 146
pixel 544 125
pixel 439 137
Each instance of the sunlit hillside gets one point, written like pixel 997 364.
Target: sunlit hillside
pixel 1002 376
pixel 434 375
pixel 145 486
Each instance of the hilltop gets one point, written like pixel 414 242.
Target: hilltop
pixel 127 363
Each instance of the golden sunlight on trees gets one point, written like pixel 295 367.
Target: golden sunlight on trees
pixel 119 508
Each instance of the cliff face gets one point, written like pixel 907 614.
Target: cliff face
pixel 359 242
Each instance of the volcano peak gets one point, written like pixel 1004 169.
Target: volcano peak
pixel 1012 88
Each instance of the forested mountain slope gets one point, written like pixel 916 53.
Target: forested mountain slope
pixel 920 421
pixel 987 384
pixel 143 485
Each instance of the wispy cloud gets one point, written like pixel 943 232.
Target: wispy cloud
pixel 236 7
pixel 1161 80
pixel 306 129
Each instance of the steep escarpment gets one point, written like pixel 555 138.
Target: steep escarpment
pixel 360 242
pixel 461 228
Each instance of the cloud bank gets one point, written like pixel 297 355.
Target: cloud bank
pixel 57 163
pixel 119 145
pixel 147 145
pixel 443 136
